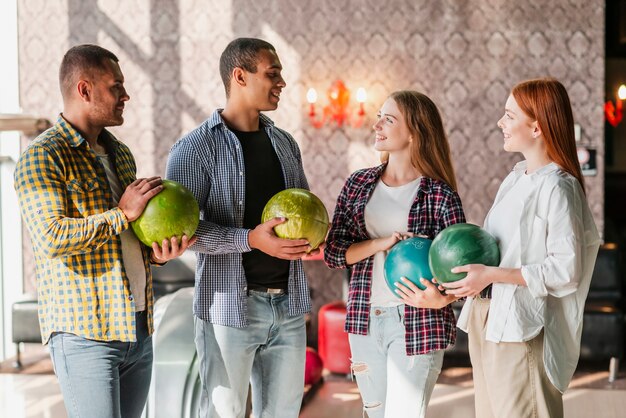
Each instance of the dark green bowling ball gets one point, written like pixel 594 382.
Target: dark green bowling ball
pixel 458 245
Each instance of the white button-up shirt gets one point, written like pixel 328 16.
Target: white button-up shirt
pixel 556 247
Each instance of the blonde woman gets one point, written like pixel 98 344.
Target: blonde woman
pixel 397 350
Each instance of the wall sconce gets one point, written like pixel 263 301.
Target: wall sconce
pixel 613 112
pixel 338 108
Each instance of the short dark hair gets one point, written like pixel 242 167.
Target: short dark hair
pixel 242 53
pixel 81 58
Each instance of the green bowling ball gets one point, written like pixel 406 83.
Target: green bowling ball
pixel 306 215
pixel 458 245
pixel 172 212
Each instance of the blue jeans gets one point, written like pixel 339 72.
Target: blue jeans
pixel 102 379
pixel 269 353
pixel 391 383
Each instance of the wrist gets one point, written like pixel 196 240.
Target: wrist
pixel 381 244
pixel 121 211
pixel 155 260
pixel 492 276
pixel 252 239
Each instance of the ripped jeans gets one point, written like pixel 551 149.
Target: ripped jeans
pixel 391 383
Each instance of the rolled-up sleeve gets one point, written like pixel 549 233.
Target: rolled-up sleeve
pixel 339 237
pixel 562 235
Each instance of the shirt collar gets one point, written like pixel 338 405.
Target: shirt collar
pixel 216 119
pixel 75 139
pixel 425 183
pixel 72 136
pixel 520 169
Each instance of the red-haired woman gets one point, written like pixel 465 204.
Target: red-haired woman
pixel 524 318
pixel 397 350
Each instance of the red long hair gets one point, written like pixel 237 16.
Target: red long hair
pixel 546 101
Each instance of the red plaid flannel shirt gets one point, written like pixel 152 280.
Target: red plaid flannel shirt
pixel 436 206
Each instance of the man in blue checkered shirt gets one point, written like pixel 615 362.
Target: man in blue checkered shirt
pixel 251 293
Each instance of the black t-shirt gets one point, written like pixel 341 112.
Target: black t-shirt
pixel 264 178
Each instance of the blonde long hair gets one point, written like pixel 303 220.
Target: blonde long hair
pixel 430 151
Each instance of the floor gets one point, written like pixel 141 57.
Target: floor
pixel 590 395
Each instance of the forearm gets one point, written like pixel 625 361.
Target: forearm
pixel 361 250
pixel 216 239
pixel 508 275
pixel 62 236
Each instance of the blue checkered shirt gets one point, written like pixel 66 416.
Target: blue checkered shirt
pixel 209 161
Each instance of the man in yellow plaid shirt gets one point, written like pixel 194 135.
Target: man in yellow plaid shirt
pixel 78 191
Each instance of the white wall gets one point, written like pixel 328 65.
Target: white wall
pixel 11 277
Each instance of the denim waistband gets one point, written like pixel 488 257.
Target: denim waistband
pixel 382 311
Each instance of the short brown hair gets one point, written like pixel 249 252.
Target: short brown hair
pixel 79 59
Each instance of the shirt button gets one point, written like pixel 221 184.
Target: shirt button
pixel 241 202
pixel 241 173
pixel 130 297
pixel 237 146
pixel 377 312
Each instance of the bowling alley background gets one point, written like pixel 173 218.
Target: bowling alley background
pixel 464 54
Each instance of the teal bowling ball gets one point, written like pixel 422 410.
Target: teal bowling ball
pixel 458 245
pixel 408 258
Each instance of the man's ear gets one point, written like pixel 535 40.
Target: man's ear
pixel 83 88
pixel 239 76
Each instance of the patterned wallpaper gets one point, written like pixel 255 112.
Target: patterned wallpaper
pixel 465 54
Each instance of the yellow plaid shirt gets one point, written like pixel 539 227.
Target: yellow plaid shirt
pixel 65 201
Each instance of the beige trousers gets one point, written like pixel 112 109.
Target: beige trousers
pixel 510 380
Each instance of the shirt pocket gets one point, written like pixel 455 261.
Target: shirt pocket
pixel 81 186
pixel 83 197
